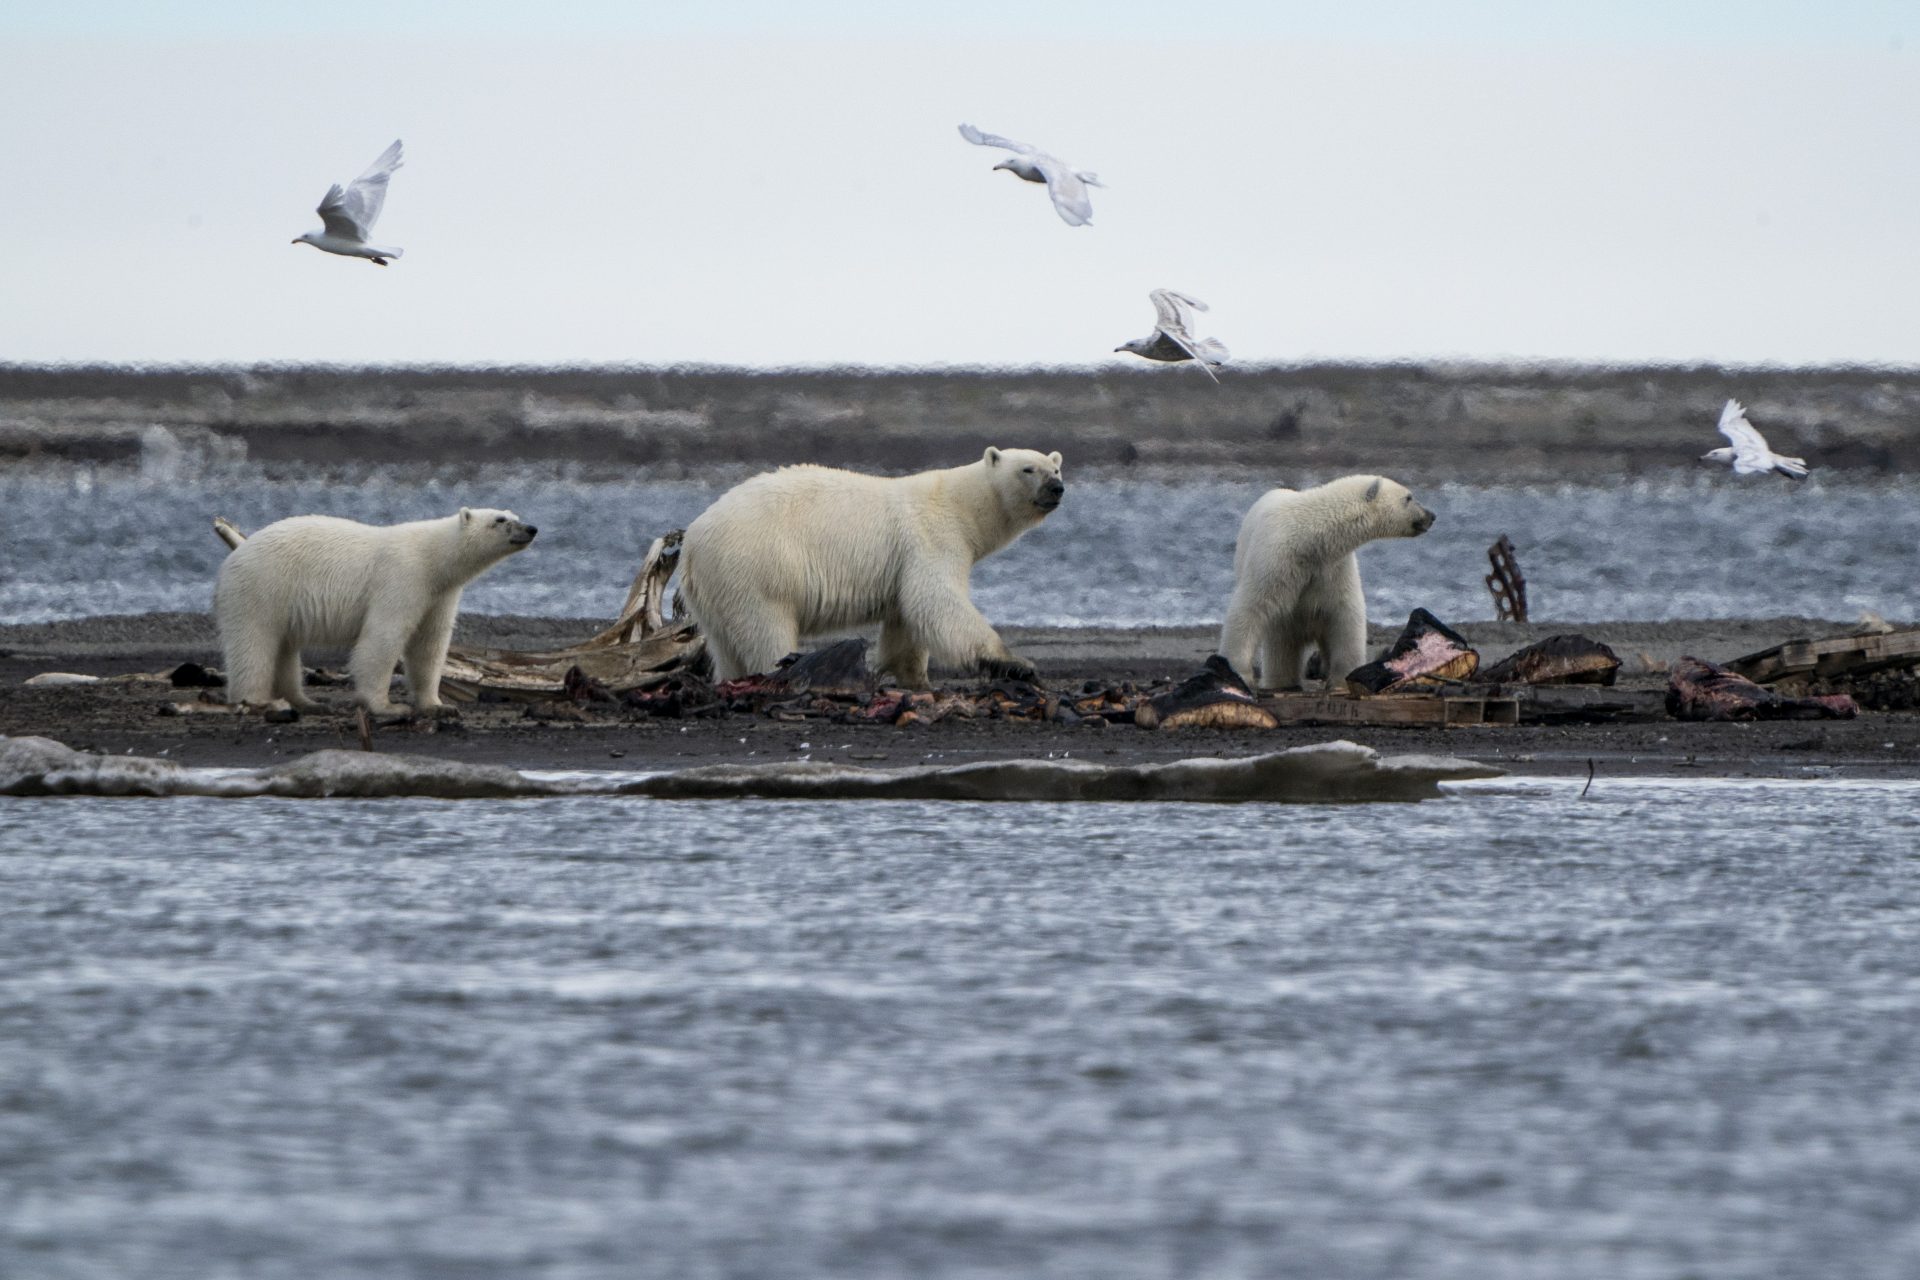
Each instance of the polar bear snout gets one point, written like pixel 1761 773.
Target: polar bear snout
pixel 1050 494
pixel 1422 522
pixel 520 535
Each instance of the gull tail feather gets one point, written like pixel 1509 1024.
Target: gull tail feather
pixel 1091 179
pixel 1795 467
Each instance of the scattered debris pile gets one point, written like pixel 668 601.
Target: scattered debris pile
pixel 1702 691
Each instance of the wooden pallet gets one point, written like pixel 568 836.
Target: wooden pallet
pixel 1414 710
pixel 1850 655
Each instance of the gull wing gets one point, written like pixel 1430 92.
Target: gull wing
pixel 979 139
pixel 1750 452
pixel 350 214
pixel 1069 192
pixel 1173 311
pixel 1173 316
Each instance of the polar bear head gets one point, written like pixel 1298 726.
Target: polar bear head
pixel 488 535
pixel 1027 481
pixel 1391 511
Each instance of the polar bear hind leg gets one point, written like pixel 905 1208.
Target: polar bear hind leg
pixel 287 675
pixel 901 656
pixel 1283 655
pixel 251 651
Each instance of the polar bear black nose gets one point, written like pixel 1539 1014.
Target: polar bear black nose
pixel 1053 488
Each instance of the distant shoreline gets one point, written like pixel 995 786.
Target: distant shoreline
pixel 1436 419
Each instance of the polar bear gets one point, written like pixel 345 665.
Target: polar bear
pixel 389 591
pixel 1296 580
pixel 805 550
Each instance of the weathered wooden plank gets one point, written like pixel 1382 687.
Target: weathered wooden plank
pixel 1835 656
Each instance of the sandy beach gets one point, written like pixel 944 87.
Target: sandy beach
pixel 119 716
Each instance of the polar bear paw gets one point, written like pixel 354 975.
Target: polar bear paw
pixel 1009 668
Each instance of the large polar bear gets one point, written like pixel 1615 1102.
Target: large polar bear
pixel 389 591
pixel 805 550
pixel 1296 580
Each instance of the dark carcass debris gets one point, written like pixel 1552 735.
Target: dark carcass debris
pixel 1567 659
pixel 1216 698
pixel 580 688
pixel 1699 690
pixel 678 696
pixel 1428 654
pixel 191 675
pixel 837 671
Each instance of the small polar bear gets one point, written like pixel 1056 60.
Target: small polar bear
pixel 806 550
pixel 1296 580
pixel 389 591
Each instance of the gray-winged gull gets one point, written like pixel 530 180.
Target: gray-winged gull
pixel 1172 337
pixel 1750 454
pixel 1067 185
pixel 349 214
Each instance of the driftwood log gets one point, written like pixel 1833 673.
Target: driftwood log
pixel 642 648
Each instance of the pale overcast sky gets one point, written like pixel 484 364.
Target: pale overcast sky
pixel 778 183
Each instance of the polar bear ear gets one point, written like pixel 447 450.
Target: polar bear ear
pixel 466 515
pixel 1054 457
pixel 1373 490
pixel 991 457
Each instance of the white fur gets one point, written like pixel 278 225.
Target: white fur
pixel 1296 580
pixel 806 550
pixel 389 591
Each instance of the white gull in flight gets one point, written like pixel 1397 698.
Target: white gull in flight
pixel 349 215
pixel 1750 454
pixel 1172 337
pixel 1067 185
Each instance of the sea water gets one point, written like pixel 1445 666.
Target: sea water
pixel 1120 551
pixel 1664 1030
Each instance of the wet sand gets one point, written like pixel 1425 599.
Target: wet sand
pixel 123 716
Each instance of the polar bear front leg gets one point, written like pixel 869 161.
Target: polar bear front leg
pixel 375 655
pixel 955 634
pixel 427 656
pixel 1344 644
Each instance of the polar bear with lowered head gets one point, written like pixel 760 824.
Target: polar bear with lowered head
pixel 1296 580
pixel 806 550
pixel 389 591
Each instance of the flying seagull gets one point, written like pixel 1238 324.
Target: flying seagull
pixel 1749 454
pixel 1067 185
pixel 349 215
pixel 1172 337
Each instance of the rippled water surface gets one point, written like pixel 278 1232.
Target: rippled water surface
pixel 1666 1031
pixel 1118 552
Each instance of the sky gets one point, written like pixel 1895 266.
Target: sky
pixel 776 185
